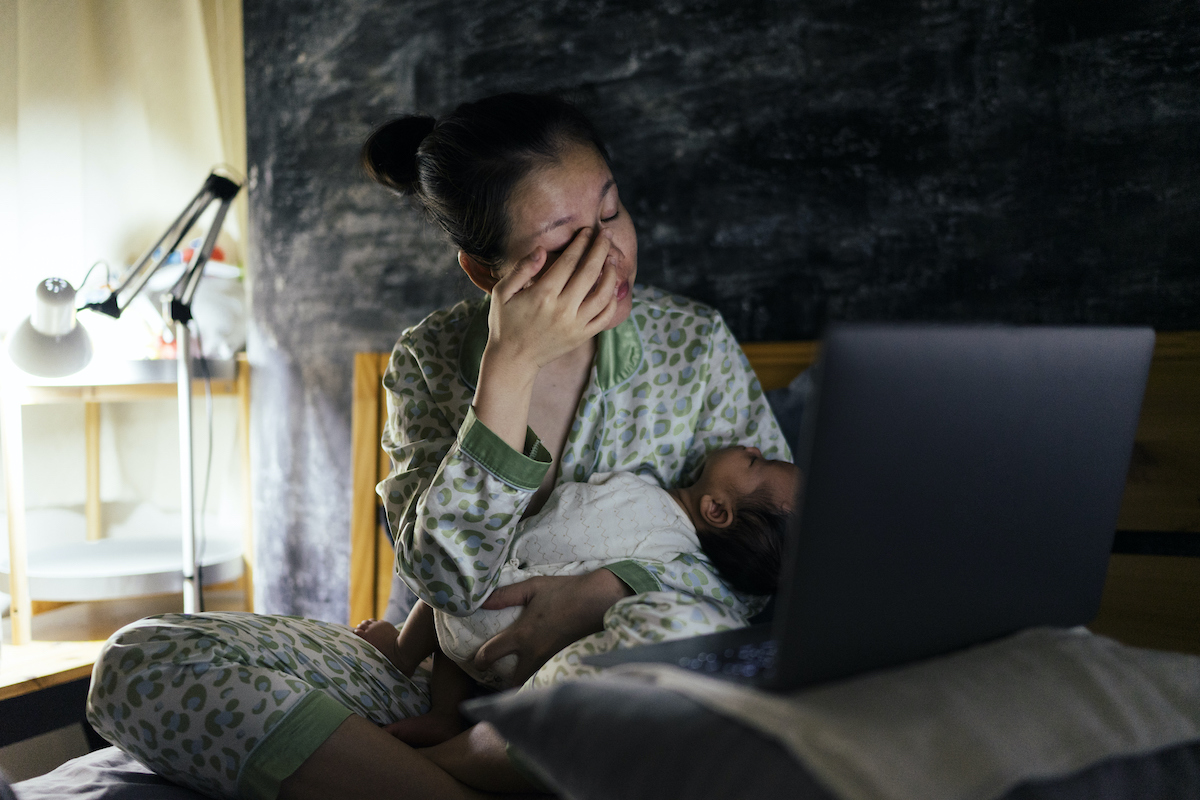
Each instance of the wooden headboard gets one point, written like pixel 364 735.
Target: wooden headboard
pixel 1151 598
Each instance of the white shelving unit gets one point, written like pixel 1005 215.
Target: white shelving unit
pixel 100 568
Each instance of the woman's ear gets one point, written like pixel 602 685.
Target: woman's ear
pixel 716 512
pixel 480 275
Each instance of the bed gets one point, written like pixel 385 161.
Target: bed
pixel 642 739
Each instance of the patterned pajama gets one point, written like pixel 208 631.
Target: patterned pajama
pixel 231 704
pixel 667 386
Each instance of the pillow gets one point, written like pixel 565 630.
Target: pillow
pixel 594 740
pixel 610 740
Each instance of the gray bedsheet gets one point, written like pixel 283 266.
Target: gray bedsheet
pixel 764 770
pixel 106 774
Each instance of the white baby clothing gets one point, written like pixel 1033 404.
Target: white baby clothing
pixel 583 526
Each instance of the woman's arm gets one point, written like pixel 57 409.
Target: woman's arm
pixel 540 313
pixel 464 468
pixel 456 491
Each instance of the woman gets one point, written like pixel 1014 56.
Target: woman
pixel 564 369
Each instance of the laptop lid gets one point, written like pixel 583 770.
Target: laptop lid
pixel 963 483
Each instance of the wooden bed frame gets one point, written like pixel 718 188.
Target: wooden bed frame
pixel 1151 598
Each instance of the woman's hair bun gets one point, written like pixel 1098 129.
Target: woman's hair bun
pixel 389 155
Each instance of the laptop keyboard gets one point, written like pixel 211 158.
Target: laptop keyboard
pixel 745 662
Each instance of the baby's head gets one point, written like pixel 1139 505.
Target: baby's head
pixel 740 506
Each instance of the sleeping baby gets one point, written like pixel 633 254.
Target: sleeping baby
pixel 735 513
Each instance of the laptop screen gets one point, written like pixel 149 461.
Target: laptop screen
pixel 962 483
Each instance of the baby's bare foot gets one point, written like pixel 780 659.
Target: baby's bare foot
pixel 381 635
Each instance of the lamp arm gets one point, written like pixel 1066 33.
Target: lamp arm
pixel 145 267
pixel 215 187
pixel 185 288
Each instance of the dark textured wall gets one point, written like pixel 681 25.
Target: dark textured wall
pixel 789 163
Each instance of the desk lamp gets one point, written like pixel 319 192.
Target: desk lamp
pixel 51 344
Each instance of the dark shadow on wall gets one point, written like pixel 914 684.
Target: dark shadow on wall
pixel 789 163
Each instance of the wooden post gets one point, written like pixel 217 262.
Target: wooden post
pixel 14 489
pixel 385 553
pixel 92 508
pixel 364 444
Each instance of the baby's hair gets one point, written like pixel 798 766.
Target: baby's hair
pixel 463 168
pixel 749 552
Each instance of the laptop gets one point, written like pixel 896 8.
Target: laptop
pixel 962 484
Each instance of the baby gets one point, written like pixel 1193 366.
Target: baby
pixel 735 512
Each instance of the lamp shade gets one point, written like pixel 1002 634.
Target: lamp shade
pixel 50 343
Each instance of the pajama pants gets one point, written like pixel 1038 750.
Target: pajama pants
pixel 230 704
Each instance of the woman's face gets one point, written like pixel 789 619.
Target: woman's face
pixel 553 203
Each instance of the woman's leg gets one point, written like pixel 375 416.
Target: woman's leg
pixel 359 760
pixel 232 704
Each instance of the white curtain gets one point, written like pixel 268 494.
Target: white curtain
pixel 112 112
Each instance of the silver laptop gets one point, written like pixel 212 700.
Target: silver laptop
pixel 963 483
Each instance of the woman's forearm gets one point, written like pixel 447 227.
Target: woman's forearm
pixel 427 442
pixel 503 396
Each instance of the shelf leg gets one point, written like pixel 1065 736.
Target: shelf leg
pixel 14 488
pixel 91 428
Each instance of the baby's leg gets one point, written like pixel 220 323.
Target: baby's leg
pixel 448 687
pixel 405 648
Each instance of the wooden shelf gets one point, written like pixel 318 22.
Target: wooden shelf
pixel 101 382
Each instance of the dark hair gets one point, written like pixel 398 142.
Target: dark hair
pixel 463 168
pixel 748 553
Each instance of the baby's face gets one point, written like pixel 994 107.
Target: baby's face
pixel 745 472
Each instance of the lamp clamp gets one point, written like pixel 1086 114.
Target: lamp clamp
pixel 177 310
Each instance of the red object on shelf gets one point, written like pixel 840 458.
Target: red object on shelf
pixel 217 254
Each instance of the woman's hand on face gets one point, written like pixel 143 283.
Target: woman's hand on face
pixel 540 312
pixel 558 611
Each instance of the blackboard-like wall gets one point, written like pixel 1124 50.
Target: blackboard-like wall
pixel 787 162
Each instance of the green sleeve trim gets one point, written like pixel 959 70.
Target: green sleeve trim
pixel 522 470
pixel 525 769
pixel 289 744
pixel 637 577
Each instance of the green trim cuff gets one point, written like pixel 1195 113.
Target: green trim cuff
pixel 636 576
pixel 289 744
pixel 522 470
